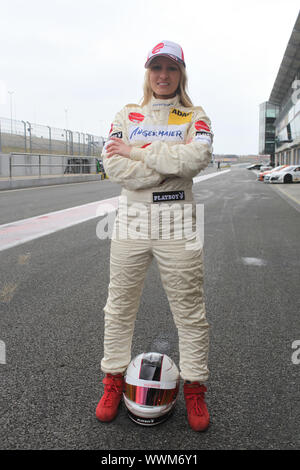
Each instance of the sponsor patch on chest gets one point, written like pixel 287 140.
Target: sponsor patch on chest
pixel 150 133
pixel 168 196
pixel 136 117
pixel 179 117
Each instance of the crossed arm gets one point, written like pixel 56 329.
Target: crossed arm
pixel 138 168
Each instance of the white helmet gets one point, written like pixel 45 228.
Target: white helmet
pixel 151 388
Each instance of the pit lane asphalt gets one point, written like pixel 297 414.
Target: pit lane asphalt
pixel 52 292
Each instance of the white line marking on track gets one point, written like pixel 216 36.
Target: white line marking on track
pixel 21 231
pixel 197 179
pixel 25 230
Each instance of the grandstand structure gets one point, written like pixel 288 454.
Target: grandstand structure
pixel 279 117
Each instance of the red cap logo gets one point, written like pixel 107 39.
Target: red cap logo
pixel 182 54
pixel 157 48
pixel 202 126
pixel 136 117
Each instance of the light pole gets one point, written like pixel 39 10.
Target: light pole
pixel 29 130
pixel 11 118
pixel 66 117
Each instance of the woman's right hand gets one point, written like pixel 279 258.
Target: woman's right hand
pixel 116 146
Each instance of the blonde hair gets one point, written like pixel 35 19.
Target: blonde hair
pixel 185 100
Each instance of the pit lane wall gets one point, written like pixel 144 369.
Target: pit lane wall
pixel 23 175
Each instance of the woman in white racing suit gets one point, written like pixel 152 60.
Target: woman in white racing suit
pixel 154 151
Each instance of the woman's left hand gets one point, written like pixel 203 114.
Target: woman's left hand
pixel 116 146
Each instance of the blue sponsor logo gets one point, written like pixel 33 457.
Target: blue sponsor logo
pixel 139 131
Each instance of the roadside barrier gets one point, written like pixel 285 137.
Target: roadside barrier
pixel 31 164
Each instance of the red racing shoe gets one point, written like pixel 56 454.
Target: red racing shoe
pixel 107 408
pixel 198 416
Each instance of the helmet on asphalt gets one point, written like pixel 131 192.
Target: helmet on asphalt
pixel 151 388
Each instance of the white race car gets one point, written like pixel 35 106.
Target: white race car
pixel 266 176
pixel 290 174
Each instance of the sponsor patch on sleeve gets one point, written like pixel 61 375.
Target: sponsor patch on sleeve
pixel 118 134
pixel 202 126
pixel 204 137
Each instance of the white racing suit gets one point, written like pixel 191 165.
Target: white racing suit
pixel 171 144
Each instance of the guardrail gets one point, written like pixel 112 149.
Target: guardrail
pixel 68 164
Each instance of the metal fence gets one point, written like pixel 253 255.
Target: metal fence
pixel 25 164
pixel 24 136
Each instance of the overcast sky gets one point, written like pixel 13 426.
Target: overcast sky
pixel 87 57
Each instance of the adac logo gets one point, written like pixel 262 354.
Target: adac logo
pixel 136 117
pixel 179 117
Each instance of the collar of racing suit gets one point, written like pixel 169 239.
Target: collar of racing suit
pixel 157 103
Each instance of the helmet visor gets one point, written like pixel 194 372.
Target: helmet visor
pixel 149 396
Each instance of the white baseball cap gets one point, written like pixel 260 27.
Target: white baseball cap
pixel 167 49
